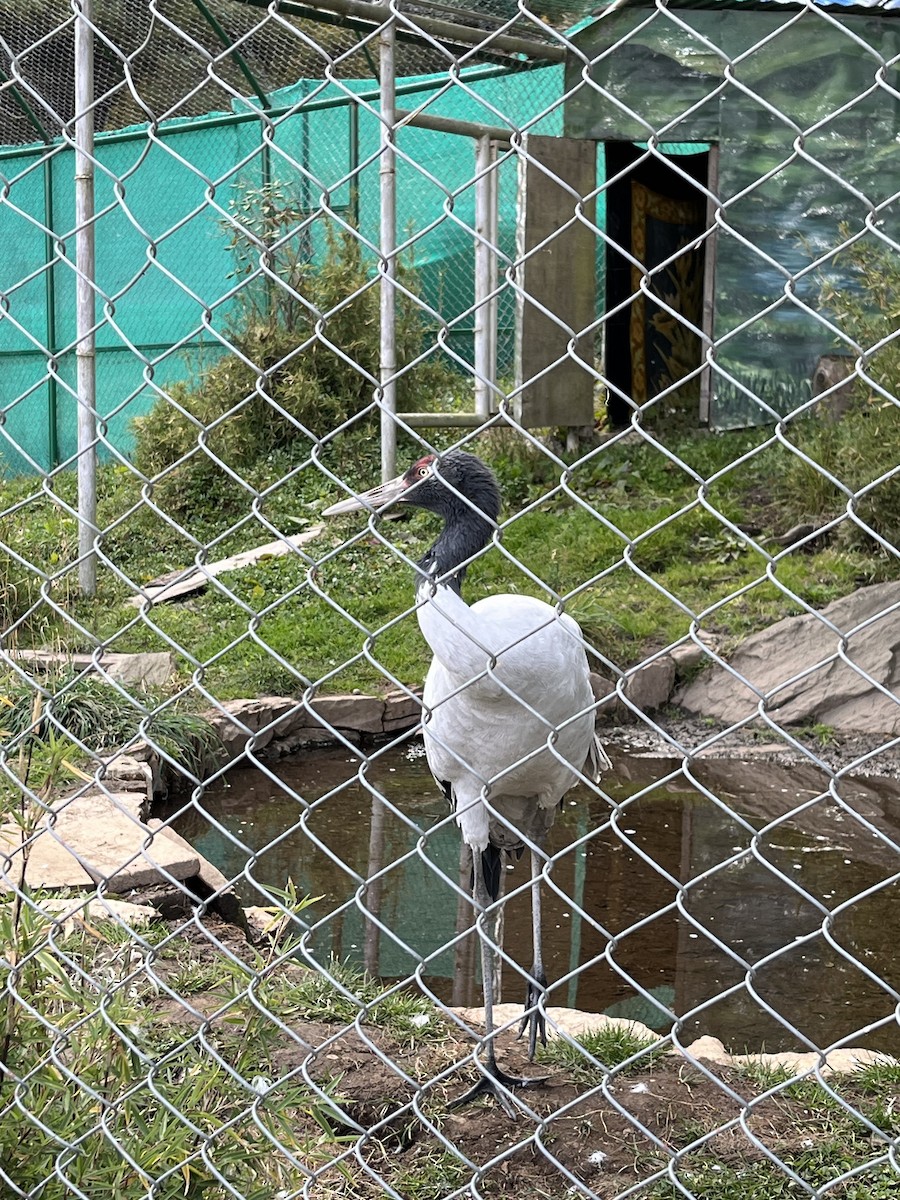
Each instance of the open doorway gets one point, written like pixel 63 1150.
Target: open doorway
pixel 653 212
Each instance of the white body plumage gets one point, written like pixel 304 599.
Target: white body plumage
pixel 508 681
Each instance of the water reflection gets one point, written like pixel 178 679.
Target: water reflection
pixel 617 936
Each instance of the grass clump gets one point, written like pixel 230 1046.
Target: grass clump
pixel 126 1104
pixel 611 1045
pixel 878 1077
pixel 98 717
pixel 711 1179
pixel 430 1176
pixel 818 1133
pixel 340 993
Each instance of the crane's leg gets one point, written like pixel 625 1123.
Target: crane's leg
pixel 534 1020
pixel 493 1081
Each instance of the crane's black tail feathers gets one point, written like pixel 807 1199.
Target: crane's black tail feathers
pixel 491 866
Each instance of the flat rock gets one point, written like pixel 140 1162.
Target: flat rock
pixel 293 723
pixel 76 911
pixel 149 670
pixel 575 1024
pixel 237 721
pixel 401 711
pixel 47 865
pixel 125 804
pixel 364 714
pixel 94 838
pixel 571 1021
pixel 152 669
pixel 837 1062
pixel 650 687
pixel 710 1049
pixel 604 689
pixel 123 772
pixel 795 666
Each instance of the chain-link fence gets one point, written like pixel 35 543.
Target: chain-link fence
pixel 271 906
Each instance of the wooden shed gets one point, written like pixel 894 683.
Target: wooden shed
pixel 776 125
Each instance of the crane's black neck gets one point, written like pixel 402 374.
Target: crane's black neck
pixel 463 490
pixel 465 532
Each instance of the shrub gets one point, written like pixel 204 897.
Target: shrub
pixel 306 341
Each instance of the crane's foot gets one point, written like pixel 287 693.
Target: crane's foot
pixel 534 1020
pixel 495 1082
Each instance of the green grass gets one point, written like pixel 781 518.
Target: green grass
pixel 611 1046
pixel 430 1176
pixel 191 1098
pixel 710 1179
pixel 177 1104
pixel 188 1101
pixel 876 1078
pixel 813 1134
pixel 342 993
pixel 633 580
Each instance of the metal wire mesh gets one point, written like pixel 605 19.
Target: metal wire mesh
pixel 238 940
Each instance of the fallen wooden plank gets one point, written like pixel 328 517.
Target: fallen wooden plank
pixel 193 579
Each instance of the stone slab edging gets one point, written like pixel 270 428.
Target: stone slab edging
pixel 93 837
pixel 105 833
pixel 286 724
pixel 576 1024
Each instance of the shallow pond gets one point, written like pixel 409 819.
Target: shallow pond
pixel 706 898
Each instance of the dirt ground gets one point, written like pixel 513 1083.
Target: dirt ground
pixel 605 1135
pixel 577 1134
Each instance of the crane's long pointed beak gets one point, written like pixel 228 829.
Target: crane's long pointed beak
pixel 375 498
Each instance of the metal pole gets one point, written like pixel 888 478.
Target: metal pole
pixel 388 182
pixel 353 152
pixel 138 133
pixel 50 305
pixel 84 300
pixel 472 129
pixel 493 305
pixel 484 255
pixel 374 889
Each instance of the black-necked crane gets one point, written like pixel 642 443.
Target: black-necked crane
pixel 509 711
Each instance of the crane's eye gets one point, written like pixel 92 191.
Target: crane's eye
pixel 422 472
